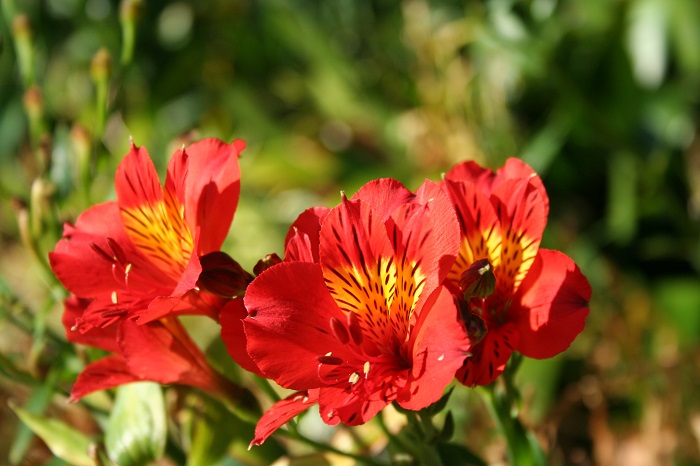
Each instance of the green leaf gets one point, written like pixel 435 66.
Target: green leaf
pixel 136 430
pixel 63 441
pixel 35 405
pixel 211 444
pixel 452 454
pixel 440 404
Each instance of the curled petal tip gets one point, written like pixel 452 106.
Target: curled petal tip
pixel 239 145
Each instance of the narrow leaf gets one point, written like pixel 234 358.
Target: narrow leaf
pixel 63 441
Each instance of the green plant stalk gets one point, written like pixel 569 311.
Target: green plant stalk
pixel 295 435
pixel 102 90
pixel 265 386
pixel 523 449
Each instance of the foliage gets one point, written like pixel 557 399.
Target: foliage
pixel 601 98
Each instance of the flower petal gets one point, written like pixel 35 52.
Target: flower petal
pixel 490 356
pixel 517 169
pixel 440 346
pixel 282 412
pixel 108 372
pixel 551 305
pixel 302 241
pixel 103 338
pixel 87 272
pixel 212 189
pixel 359 267
pixel 481 228
pixel 522 214
pixel 384 195
pixel 154 222
pixel 446 239
pixel 288 327
pixel 233 334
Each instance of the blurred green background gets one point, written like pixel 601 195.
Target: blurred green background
pixel 601 97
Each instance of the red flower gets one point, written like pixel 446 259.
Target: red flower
pixel 141 257
pixel 355 317
pixel 160 351
pixel 540 300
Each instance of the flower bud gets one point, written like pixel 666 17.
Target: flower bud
pixel 22 34
pixel 101 66
pixel 478 281
pixel 265 263
pixel 222 275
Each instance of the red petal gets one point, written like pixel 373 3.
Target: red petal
pixel 212 190
pixel 289 325
pixel 384 196
pixel 339 404
pixel 473 173
pixel 358 264
pixel 136 181
pixel 106 373
pixel 440 346
pixel 194 302
pixel 281 412
pixel 86 273
pixel 551 305
pixel 302 241
pixel 153 221
pixel 442 217
pixel 517 169
pixel 233 334
pixel 104 338
pixel 481 228
pixel 152 352
pixel 490 356
pixel 520 208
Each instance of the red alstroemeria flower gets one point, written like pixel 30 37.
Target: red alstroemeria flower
pixel 160 351
pixel 356 316
pixel 539 303
pixel 141 257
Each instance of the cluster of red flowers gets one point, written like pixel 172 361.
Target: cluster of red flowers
pixel 387 297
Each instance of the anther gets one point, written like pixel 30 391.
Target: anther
pixel 355 328
pixel 442 356
pixel 113 313
pixel 114 297
pixel 339 331
pixel 365 368
pixel 101 252
pixel 331 360
pixel 354 378
pixel 117 250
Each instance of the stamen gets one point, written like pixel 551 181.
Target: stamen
pixel 101 252
pixel 339 331
pixel 119 255
pixel 354 378
pixel 365 368
pixel 355 328
pixel 330 353
pixel 442 356
pixel 74 328
pixel 330 360
pixel 114 297
pixel 113 313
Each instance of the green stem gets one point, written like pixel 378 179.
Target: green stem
pixel 265 386
pixel 328 448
